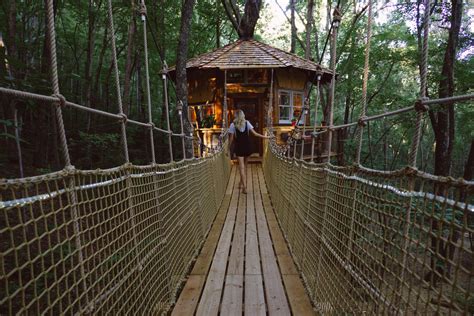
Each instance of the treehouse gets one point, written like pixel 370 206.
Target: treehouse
pixel 259 79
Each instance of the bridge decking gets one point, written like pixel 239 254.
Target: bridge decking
pixel 244 265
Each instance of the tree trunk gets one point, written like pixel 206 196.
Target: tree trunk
pixel 443 126
pixel 443 120
pixel 89 59
pixel 129 61
pixel 309 24
pixel 11 37
pixel 218 26
pixel 468 175
pixel 181 56
pixel 293 27
pixel 244 25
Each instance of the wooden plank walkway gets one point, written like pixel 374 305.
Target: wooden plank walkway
pixel 245 266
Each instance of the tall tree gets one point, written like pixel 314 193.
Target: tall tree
pixel 129 61
pixel 181 57
pixel 243 24
pixel 293 27
pixel 442 120
pixel 309 25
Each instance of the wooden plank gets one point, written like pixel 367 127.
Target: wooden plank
pixel 254 295
pixel 299 299
pixel 252 254
pixel 287 265
pixel 189 297
pixel 261 179
pixel 234 282
pixel 236 259
pixel 233 176
pixel 277 303
pixel 279 242
pixel 203 261
pixel 210 299
pixel 233 295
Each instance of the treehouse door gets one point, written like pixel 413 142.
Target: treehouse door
pixel 251 108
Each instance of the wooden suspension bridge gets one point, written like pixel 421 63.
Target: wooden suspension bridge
pixel 181 238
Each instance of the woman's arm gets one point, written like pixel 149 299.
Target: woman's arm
pixel 254 133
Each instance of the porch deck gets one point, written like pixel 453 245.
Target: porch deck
pixel 245 265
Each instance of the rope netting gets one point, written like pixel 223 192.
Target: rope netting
pixel 365 242
pixel 117 241
pixel 124 250
pixel 369 241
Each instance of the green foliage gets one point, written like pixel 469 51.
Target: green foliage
pixel 393 81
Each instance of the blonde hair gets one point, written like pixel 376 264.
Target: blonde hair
pixel 239 120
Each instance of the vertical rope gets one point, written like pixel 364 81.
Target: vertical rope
pixel 361 125
pixel 168 126
pixel 270 106
pixel 62 135
pixel 123 122
pixel 143 14
pixel 423 85
pixel 303 133
pixel 416 140
pixel 183 137
pixel 55 81
pixel 316 102
pixel 123 128
pixel 192 141
pixel 336 21
pixel 224 114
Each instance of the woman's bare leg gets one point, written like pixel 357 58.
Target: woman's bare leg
pixel 243 176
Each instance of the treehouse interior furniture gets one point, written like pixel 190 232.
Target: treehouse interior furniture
pixel 263 81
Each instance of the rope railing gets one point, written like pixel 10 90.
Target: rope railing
pixel 115 241
pixel 364 240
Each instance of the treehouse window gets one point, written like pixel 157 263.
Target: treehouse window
pixel 235 76
pixel 290 103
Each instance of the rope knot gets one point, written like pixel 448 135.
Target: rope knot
pixel 151 125
pixel 61 100
pixel 362 121
pixel 123 118
pixel 142 10
pixel 411 171
pixel 419 106
pixel 69 170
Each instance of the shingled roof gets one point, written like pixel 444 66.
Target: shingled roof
pixel 250 54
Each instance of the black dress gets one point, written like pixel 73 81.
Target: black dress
pixel 242 142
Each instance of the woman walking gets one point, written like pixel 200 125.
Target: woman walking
pixel 239 132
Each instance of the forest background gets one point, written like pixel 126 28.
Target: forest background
pixel 29 131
